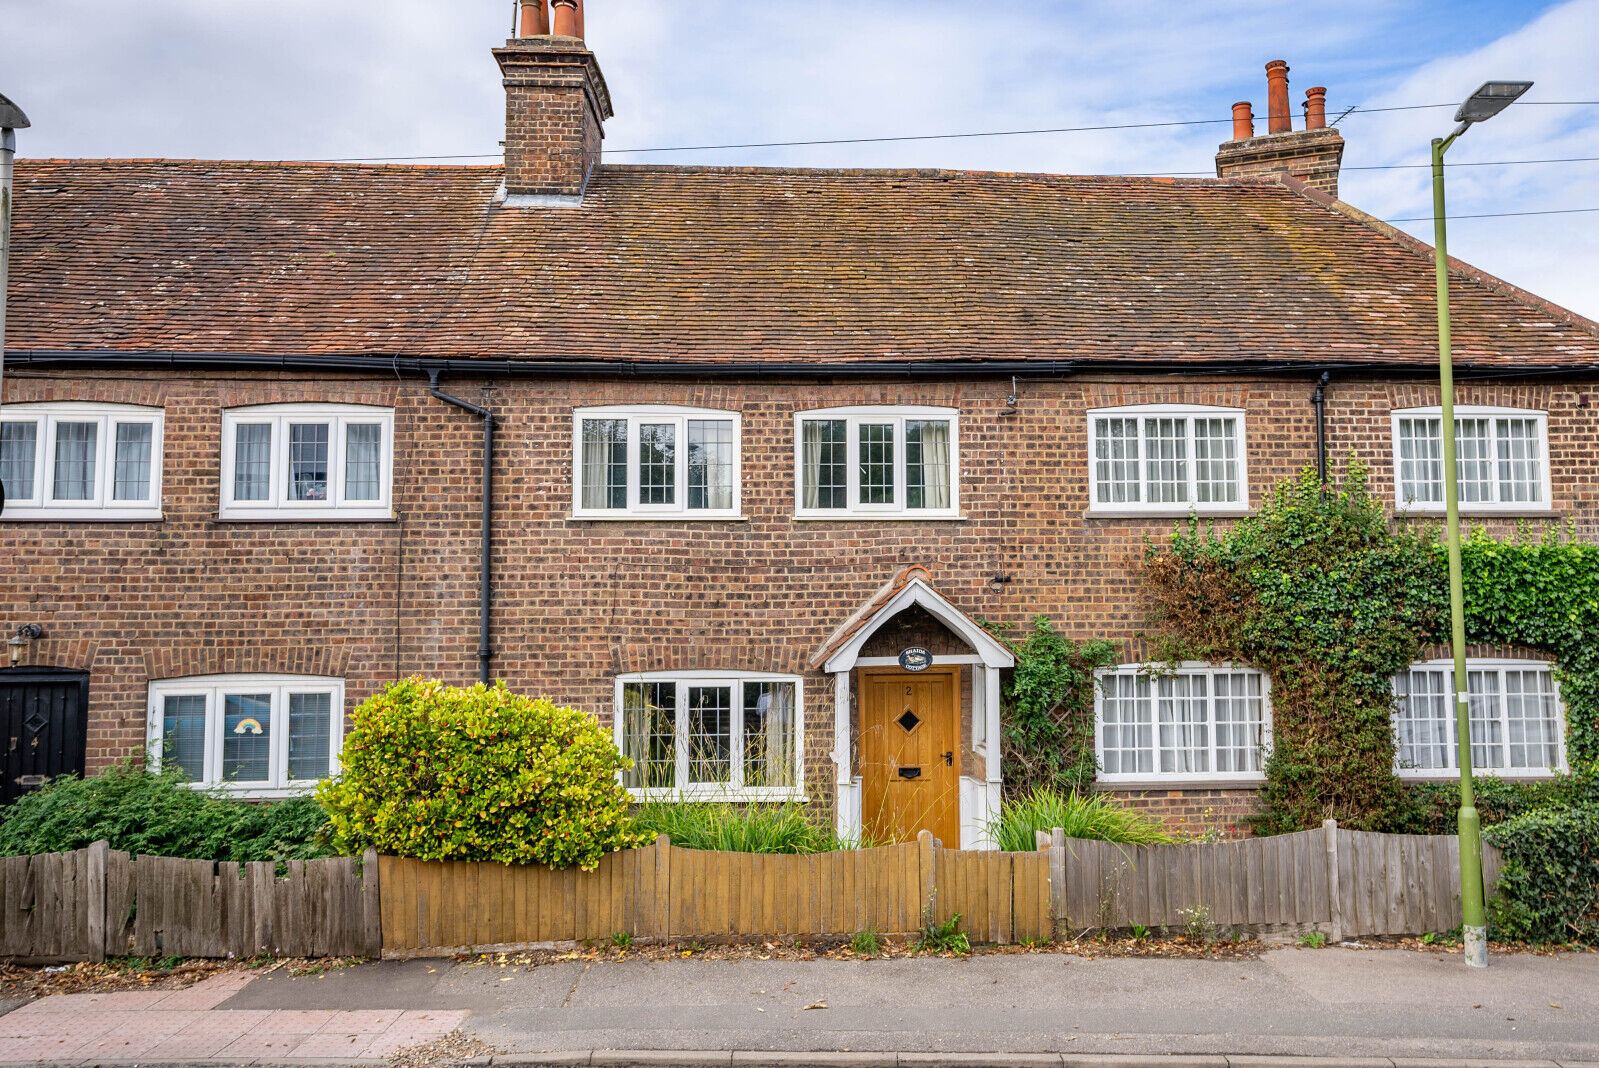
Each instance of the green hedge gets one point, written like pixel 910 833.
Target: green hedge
pixel 154 814
pixel 1432 808
pixel 440 773
pixel 1549 888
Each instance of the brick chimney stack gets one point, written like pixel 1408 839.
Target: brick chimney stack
pixel 556 104
pixel 1312 155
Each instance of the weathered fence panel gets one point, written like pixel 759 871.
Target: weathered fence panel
pixel 99 902
pixel 1346 883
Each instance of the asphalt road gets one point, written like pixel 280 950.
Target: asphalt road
pixel 1290 1001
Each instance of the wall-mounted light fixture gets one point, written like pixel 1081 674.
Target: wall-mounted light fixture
pixel 1010 401
pixel 1000 581
pixel 18 643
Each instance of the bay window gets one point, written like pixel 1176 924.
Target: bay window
pixel 1501 459
pixel 79 461
pixel 1515 718
pixel 307 461
pixel 877 462
pixel 256 735
pixel 710 735
pixel 655 462
pixel 1198 723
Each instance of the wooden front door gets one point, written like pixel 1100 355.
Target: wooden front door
pixel 910 754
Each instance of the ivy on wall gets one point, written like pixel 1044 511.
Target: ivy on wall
pixel 1048 710
pixel 1319 592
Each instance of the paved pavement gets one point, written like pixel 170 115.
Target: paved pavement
pixel 154 1026
pixel 1345 1003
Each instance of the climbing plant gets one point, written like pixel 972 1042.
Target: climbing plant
pixel 1048 734
pixel 1320 591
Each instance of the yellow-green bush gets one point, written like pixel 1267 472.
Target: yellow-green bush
pixel 441 773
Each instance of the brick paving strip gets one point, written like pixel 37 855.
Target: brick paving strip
pixel 152 1026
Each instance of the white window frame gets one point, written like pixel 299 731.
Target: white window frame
pixel 1492 414
pixel 1452 772
pixel 734 790
pixel 46 416
pixel 897 415
pixel 1165 779
pixel 214 688
pixel 1192 506
pixel 279 506
pixel 680 416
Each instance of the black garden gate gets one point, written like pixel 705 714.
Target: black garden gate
pixel 42 715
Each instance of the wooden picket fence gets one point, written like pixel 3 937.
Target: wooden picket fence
pixel 1345 883
pixel 99 902
pixel 663 893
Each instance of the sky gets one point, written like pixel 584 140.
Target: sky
pixel 339 79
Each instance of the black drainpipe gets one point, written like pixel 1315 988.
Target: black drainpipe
pixel 485 651
pixel 1318 400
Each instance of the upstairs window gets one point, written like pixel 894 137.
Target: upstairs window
pixel 81 461
pixel 710 736
pixel 1199 723
pixel 655 462
pixel 307 461
pixel 256 735
pixel 877 463
pixel 1165 458
pixel 1516 720
pixel 1500 459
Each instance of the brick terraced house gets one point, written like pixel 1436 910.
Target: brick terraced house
pixel 735 458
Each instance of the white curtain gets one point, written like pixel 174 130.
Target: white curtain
pixel 599 435
pixel 935 463
pixel 811 451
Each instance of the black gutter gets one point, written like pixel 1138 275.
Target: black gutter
pixel 1318 400
pixel 479 368
pixel 485 651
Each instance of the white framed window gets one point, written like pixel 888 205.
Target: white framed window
pixel 1167 458
pixel 707 735
pixel 307 461
pixel 655 462
pixel 877 463
pixel 259 736
pixel 81 461
pixel 1517 722
pixel 1197 723
pixel 1501 457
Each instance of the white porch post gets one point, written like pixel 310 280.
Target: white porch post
pixel 847 804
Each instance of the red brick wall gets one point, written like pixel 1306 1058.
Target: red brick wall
pixel 578 601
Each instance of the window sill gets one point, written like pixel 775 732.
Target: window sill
pixel 1187 782
pixel 252 793
pixel 1145 513
pixel 711 795
pixel 653 517
pixel 883 517
pixel 304 517
pixel 108 515
pixel 1476 513
pixel 1478 774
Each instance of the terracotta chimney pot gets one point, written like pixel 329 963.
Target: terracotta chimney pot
pixel 566 20
pixel 1316 108
pixel 1279 120
pixel 535 19
pixel 1243 121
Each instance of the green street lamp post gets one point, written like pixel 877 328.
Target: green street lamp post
pixel 1482 105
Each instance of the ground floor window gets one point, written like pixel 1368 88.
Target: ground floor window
pixel 1195 723
pixel 258 735
pixel 699 735
pixel 1516 719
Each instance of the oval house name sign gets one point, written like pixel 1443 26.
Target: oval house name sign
pixel 915 659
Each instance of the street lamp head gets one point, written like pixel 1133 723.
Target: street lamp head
pixel 1490 100
pixel 11 116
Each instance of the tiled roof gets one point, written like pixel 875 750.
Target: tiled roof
pixel 700 265
pixel 867 612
